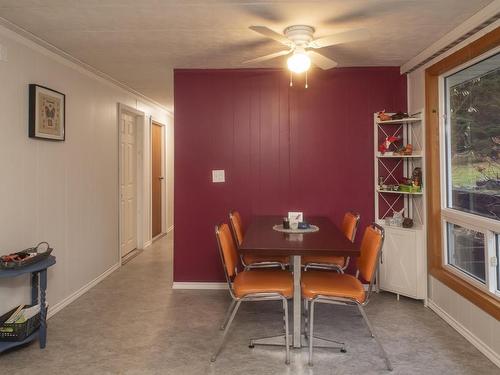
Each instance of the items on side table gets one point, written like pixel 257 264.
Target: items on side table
pixel 26 257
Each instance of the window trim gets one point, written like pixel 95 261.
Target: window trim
pixel 487 301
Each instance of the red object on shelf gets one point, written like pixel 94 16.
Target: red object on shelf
pixel 387 143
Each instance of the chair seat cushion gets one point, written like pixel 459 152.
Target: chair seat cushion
pixel 263 281
pixel 249 259
pixel 324 259
pixel 331 284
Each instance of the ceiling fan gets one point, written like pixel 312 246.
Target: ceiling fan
pixel 301 45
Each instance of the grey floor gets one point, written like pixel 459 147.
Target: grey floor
pixel 134 323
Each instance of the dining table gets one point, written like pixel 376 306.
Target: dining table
pixel 261 238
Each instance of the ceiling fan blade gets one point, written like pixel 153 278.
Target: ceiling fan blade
pixel 267 57
pixel 267 32
pixel 344 37
pixel 321 61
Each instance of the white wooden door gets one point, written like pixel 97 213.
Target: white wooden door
pixel 128 184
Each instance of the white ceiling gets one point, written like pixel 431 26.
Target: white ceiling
pixel 139 42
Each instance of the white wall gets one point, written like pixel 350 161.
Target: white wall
pixel 481 329
pixel 65 193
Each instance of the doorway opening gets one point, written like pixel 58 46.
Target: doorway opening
pixel 158 187
pixel 130 135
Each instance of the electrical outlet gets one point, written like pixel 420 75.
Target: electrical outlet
pixel 218 176
pixel 3 53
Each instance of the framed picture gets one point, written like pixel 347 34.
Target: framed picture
pixel 46 113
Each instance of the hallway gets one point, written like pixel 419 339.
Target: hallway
pixel 134 323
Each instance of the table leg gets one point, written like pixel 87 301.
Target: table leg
pixel 43 310
pixel 34 288
pixel 297 302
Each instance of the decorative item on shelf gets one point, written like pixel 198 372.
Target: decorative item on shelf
pixel 389 187
pixel 382 116
pixel 384 147
pixel 407 222
pixel 396 220
pixel 405 150
pixel 416 178
pixel 380 182
pixel 398 217
pixel 399 116
pixel 409 188
pixel 405 181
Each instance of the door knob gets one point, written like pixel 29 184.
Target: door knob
pixel 161 178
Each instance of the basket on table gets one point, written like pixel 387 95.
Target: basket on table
pixel 18 331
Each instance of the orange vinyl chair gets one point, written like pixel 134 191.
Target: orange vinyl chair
pixel 331 262
pixel 253 261
pixel 343 289
pixel 251 285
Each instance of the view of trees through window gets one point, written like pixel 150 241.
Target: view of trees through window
pixel 474 141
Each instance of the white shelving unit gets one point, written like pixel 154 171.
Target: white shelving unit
pixel 403 265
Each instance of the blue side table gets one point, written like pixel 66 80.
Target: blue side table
pixel 38 273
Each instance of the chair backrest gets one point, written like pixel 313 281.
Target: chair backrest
pixel 227 250
pixel 237 226
pixel 350 225
pixel 371 246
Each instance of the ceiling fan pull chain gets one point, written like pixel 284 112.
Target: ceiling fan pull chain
pixel 291 79
pixel 306 81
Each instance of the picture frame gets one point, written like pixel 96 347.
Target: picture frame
pixel 47 113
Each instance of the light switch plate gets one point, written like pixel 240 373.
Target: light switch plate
pixel 218 175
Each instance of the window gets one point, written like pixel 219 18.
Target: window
pixel 471 172
pixel 459 150
pixel 466 251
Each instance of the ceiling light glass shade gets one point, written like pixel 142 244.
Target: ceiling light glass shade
pixel 299 62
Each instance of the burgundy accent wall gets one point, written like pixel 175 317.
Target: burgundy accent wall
pixel 283 149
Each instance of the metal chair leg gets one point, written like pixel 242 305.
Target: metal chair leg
pixel 372 333
pixel 231 317
pixel 287 337
pixel 311 331
pixel 228 314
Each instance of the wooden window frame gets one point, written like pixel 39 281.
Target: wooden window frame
pixel 480 298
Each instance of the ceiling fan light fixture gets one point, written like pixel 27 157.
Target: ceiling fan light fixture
pixel 299 62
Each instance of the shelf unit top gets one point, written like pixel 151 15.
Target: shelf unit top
pixel 408 120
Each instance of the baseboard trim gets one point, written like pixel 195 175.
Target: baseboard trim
pixel 66 301
pixel 198 285
pixel 170 229
pixel 147 244
pixel 469 336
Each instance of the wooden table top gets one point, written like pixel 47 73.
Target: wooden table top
pixel 261 239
